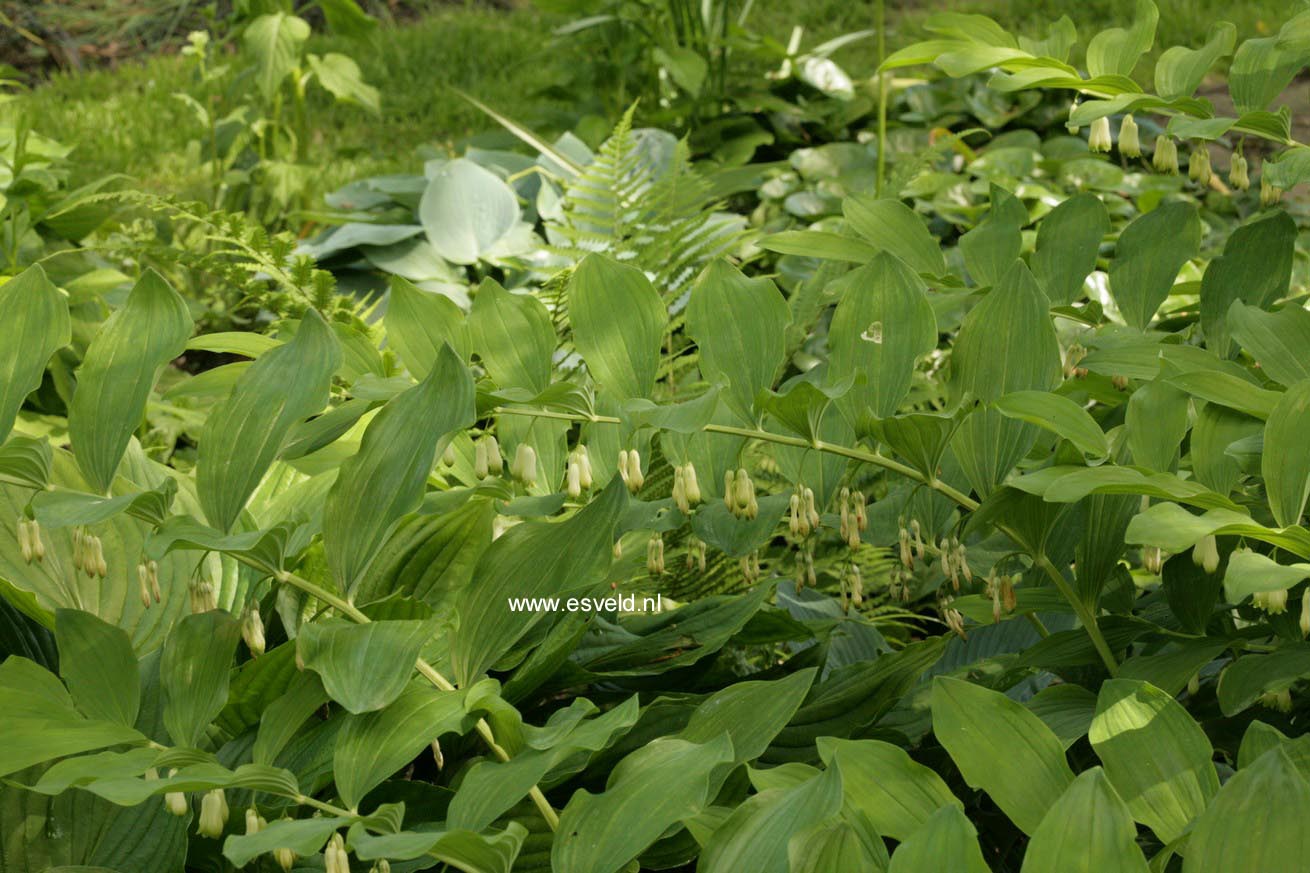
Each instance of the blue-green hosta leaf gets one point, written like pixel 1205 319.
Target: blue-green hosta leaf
pixel 1001 748
pixel 1150 252
pixel 946 841
pixel 1088 830
pixel 740 324
pixel 466 210
pixel 1007 342
pixel 1285 463
pixel 896 793
pixel 1255 268
pixel 662 783
pixel 513 337
pixel 1156 756
pixel 118 372
pixel 244 433
pixel 1252 825
pixel 97 663
pixel 364 667
pixel 420 322
pixel 882 325
pixel 1179 70
pixel 36 324
pixel 194 672
pixel 1276 340
pixel 1060 415
pixel 532 559
pixel 386 478
pixel 373 745
pixel 1068 241
pixel 275 42
pixel 618 323
pixel 463 850
pixel 1116 50
pixel 891 226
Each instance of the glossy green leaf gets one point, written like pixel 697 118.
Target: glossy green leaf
pixel 896 793
pixel 118 372
pixel 1276 340
pixel 893 227
pixel 1116 50
pixel 1253 824
pixel 1156 423
pixel 1150 252
pixel 97 663
pixel 1250 572
pixel 245 432
pixel 1088 830
pixel 194 672
pixel 836 845
pixel 513 337
pixel 882 325
pixel 1179 70
pixel 981 729
pixel 1285 463
pixel 431 557
pixel 420 322
pixel 1157 758
pixel 304 836
pixel 1058 414
pixel 1007 342
pixel 36 324
pixel 1255 268
pixel 618 323
pixel 462 850
pixel 364 667
pixel 946 841
pixel 1261 70
pixel 386 478
pixel 739 323
pixel 819 244
pixel 1068 241
pixel 1251 675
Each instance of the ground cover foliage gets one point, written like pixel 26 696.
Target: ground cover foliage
pixel 954 417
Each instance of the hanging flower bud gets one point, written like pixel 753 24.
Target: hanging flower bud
pixel 143 578
pixel 1165 159
pixel 79 548
pixel 285 858
pixel 1069 125
pixel 382 866
pixel 655 555
pixel 334 856
pixel 1277 700
pixel 1119 381
pixel 202 596
pixel 1008 597
pixel 618 549
pixel 743 495
pixel 495 463
pixel 996 604
pixel 844 513
pixel 573 479
pixel 213 814
pixel 955 621
pixel 916 539
pixel 252 630
pixel 1239 173
pixel 903 542
pixel 1130 142
pixel 524 465
pixel 948 564
pixel 635 479
pixel 700 556
pixel 1305 614
pixel 690 484
pixel 1198 165
pixel 1205 554
pixel 1272 602
pixel 437 756
pixel 794 516
pixel 729 490
pixel 480 467
pixel 623 468
pixel 25 541
pixel 175 801
pixel 1152 560
pixel 1269 195
pixel 857 585
pixel 254 822
pixel 584 467
pixel 1098 139
pixel 811 512
pixel 961 559
pixel 449 456
pixel 1194 685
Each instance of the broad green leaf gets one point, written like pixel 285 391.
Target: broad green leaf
pixel 756 836
pixel 662 783
pixel 618 323
pixel 1255 268
pixel 340 75
pixel 304 836
pixel 35 325
pixel 1276 340
pixel 1156 423
pixel 27 461
pixel 988 445
pixel 1157 758
pixel 1251 675
pixel 513 337
pixel 1179 70
pixel 1001 748
pixel 1088 830
pixel 1068 241
pixel 1214 430
pixel 1254 823
pixel 194 672
pixel 532 559
pixel 1173 668
pixel 739 323
pixel 118 372
pixel 991 248
pixel 750 713
pixel 1250 573
pixel 364 667
pixel 893 227
pixel 420 322
pixel 1174 529
pixel 882 325
pixel 1261 70
pixel 836 845
pixel 97 663
pixel 244 433
pixel 275 41
pixel 30 741
pixel 462 850
pixel 373 745
pixel 1007 342
pixel 1115 51
pixel 1058 414
pixel 1228 390
pixel 1066 709
pixel 58 509
pixel 1285 463
pixel 896 793
pixel 431 557
pixel 466 210
pixel 386 478
pixel 819 244
pixel 1150 252
pixel 282 718
pixel 946 841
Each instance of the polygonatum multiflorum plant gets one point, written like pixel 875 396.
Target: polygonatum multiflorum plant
pixel 973 543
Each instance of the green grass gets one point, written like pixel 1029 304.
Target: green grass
pixel 126 120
